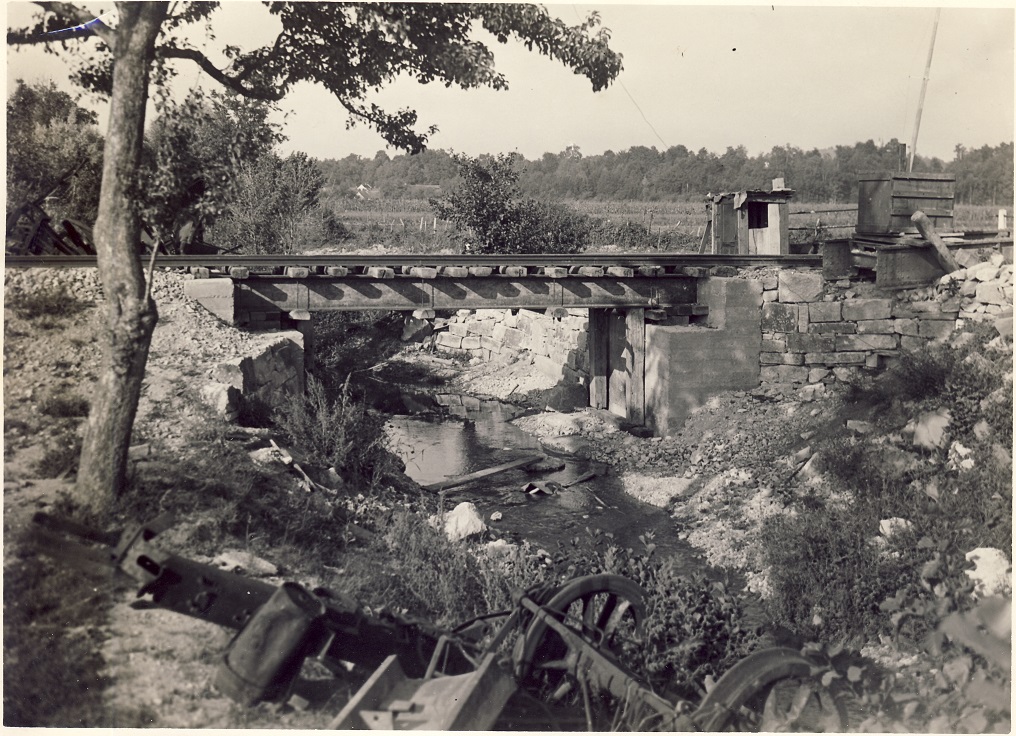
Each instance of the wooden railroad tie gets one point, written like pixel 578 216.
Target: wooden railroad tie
pixel 595 272
pixel 339 271
pixel 513 271
pixel 239 272
pixel 455 272
pixel 379 272
pixel 555 272
pixel 480 271
pixel 621 272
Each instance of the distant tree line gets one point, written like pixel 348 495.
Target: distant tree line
pixel 983 175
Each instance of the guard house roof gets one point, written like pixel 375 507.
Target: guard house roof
pixel 777 196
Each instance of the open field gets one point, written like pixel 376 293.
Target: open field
pixel 409 225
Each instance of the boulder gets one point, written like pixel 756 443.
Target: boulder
pixel 992 574
pixel 892 526
pixel 244 562
pixel 223 398
pixel 463 521
pixel 930 429
pixel 416 330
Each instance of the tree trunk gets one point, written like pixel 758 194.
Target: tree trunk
pixel 131 315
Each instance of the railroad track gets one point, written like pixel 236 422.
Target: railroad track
pixel 353 262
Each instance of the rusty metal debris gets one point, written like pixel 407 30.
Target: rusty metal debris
pixel 565 668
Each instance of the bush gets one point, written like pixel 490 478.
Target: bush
pixel 415 569
pixel 341 433
pixel 65 406
pixel 44 305
pixel 827 580
pixel 486 207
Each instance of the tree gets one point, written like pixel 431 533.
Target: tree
pixel 275 207
pixel 350 49
pixel 192 158
pixel 49 135
pixel 487 208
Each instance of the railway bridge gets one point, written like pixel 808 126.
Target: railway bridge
pixel 640 355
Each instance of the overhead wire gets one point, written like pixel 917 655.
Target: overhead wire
pixel 630 96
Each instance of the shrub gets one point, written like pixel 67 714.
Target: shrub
pixel 60 456
pixel 44 305
pixel 65 406
pixel 487 207
pixel 415 569
pixel 341 433
pixel 827 580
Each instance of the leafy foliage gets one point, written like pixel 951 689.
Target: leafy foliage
pixel 341 433
pixel 48 136
pixel 486 207
pixel 354 49
pixel 275 208
pixel 694 628
pixel 193 152
pixel 679 174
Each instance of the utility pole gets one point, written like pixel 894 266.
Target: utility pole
pixel 924 89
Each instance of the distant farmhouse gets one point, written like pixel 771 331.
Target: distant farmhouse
pixel 366 191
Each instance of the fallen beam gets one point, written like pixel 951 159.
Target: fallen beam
pixel 461 480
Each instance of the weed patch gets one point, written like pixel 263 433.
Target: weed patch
pixel 339 433
pixel 65 406
pixel 45 306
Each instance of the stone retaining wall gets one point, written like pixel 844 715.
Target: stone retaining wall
pixel 558 344
pixel 259 378
pixel 817 332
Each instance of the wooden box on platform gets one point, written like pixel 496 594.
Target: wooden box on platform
pixel 750 222
pixel 885 202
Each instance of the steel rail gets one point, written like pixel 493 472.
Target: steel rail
pixel 584 259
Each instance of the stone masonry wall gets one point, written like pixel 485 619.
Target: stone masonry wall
pixel 275 368
pixel 816 332
pixel 557 343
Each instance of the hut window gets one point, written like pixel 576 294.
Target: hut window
pixel 758 215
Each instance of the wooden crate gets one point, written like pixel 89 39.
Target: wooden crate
pixel 885 202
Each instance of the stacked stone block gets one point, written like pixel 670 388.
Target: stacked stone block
pixel 557 344
pixel 276 368
pixel 816 332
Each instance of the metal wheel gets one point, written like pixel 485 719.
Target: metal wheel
pixel 606 610
pixel 772 691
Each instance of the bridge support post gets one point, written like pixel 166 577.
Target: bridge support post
pixel 635 336
pixel 304 321
pixel 599 361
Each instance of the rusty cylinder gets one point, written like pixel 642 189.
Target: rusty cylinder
pixel 266 655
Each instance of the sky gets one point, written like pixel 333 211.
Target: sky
pixel 702 76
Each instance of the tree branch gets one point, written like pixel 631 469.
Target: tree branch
pixel 84 18
pixel 174 52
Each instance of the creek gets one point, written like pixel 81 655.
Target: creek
pixel 443 435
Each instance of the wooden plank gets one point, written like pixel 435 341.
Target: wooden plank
pixel 620 272
pixel 379 272
pixel 781 226
pixel 904 269
pixel 461 480
pixel 945 258
pixel 619 363
pixel 599 332
pixel 423 272
pixel 635 336
pixel 742 231
pixel 480 271
pixel 457 272
pixel 370 696
pixel 555 272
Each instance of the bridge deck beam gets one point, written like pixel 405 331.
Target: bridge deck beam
pixel 276 294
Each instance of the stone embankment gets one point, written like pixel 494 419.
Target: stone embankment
pixel 188 344
pixel 816 332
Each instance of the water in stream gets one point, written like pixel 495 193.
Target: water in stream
pixel 443 436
